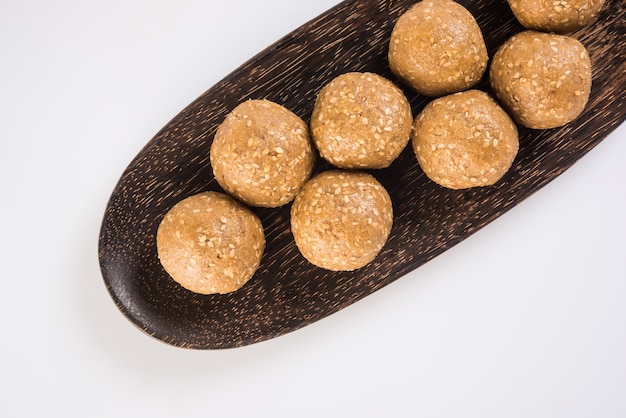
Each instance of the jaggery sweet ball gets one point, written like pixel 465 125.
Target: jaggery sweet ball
pixel 262 153
pixel 542 79
pixel 341 219
pixel 210 243
pixel 559 16
pixel 361 120
pixel 464 140
pixel 437 48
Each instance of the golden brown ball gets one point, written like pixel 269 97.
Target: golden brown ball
pixel 437 48
pixel 262 153
pixel 559 16
pixel 542 79
pixel 341 219
pixel 210 243
pixel 464 140
pixel 361 120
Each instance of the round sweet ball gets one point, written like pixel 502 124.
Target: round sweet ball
pixel 210 243
pixel 262 154
pixel 361 120
pixel 437 48
pixel 464 140
pixel 341 219
pixel 560 16
pixel 542 79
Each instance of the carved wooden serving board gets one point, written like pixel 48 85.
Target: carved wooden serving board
pixel 287 292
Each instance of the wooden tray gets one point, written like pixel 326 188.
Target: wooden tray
pixel 287 292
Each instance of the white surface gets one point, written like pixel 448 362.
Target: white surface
pixel 524 319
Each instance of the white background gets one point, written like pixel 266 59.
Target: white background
pixel 524 319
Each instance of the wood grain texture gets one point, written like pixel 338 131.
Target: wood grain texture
pixel 287 292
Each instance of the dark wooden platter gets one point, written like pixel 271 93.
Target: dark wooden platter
pixel 287 292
